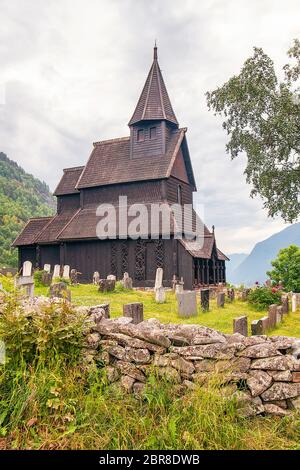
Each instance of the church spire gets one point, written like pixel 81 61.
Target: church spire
pixel 154 102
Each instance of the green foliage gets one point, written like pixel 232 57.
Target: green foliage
pixel 287 268
pixel 47 332
pixel 262 297
pixel 38 278
pixel 21 196
pixel 262 119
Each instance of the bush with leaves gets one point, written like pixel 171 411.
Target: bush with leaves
pixel 262 297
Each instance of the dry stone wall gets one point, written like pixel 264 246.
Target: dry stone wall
pixel 263 371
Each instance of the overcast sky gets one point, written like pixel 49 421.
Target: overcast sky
pixel 72 71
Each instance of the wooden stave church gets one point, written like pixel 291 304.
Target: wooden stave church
pixel 152 165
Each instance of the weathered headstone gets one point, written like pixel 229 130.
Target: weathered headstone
pixel 187 304
pixel 96 278
pixel 279 314
pixel 60 290
pixel 111 277
pixel 231 294
pixel 256 327
pixel 178 289
pixel 66 272
pixel 126 281
pixel 26 282
pixel 204 298
pixel 27 268
pixel 285 304
pixel 240 325
pixel 134 311
pixel 174 282
pixel 46 278
pixel 220 299
pixel 160 295
pixel 47 268
pixel 74 276
pixel 294 303
pixel 56 271
pixel 106 285
pixel 158 278
pixel 265 324
pixel 272 314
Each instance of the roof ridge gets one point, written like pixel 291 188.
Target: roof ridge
pixel 117 139
pixel 73 168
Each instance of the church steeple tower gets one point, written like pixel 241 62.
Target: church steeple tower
pixel 153 119
pixel 154 102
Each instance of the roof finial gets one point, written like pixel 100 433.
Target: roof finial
pixel 155 51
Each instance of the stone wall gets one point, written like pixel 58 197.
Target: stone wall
pixel 264 372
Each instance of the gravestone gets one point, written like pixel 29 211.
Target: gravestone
pixel 46 278
pixel 272 314
pixel 174 282
pixel 231 294
pixel 178 289
pixel 256 327
pixel 47 268
pixel 279 314
pixel 27 269
pixel 240 325
pixel 66 272
pixel 160 295
pixel 96 278
pixel 285 304
pixel 294 303
pixel 74 276
pixel 187 304
pixel 111 277
pixel 204 299
pixel 158 278
pixel 60 290
pixel 134 311
pixel 56 271
pixel 221 299
pixel 26 282
pixel 106 285
pixel 265 324
pixel 126 281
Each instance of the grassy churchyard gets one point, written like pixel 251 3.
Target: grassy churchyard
pixel 218 318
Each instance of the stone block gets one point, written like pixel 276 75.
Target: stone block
pixel 279 314
pixel 160 295
pixel 272 315
pixel 256 327
pixel 26 282
pixel 56 271
pixel 187 304
pixel 66 272
pixel 27 269
pixel 204 299
pixel 158 278
pixel 221 299
pixel 134 311
pixel 240 325
pixel 285 304
pixel 106 285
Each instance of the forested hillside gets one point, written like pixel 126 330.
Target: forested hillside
pixel 21 196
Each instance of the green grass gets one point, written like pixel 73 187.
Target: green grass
pixel 218 318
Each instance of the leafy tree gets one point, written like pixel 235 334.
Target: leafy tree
pixel 21 196
pixel 262 119
pixel 287 268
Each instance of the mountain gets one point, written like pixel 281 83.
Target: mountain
pixel 254 267
pixel 235 261
pixel 21 196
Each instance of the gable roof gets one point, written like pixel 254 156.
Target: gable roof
pixel 67 184
pixel 154 102
pixel 31 230
pixel 110 163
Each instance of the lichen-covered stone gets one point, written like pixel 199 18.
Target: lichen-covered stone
pixel 139 356
pixel 275 410
pixel 112 374
pixel 260 351
pixel 281 391
pixel 273 363
pixel 258 382
pixel 126 368
pixel 281 376
pixel 127 383
pixel 248 406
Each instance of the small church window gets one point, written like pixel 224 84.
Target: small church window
pixel 179 194
pixel 152 132
pixel 140 135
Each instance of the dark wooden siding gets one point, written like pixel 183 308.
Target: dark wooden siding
pixel 70 201
pixel 172 191
pixel 27 253
pixel 149 191
pixel 49 254
pixel 148 147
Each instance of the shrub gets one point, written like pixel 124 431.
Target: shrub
pixel 38 278
pixel 43 332
pixel 263 297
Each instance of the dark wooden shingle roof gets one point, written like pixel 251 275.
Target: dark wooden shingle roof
pixel 110 163
pixel 154 102
pixel 31 230
pixel 67 184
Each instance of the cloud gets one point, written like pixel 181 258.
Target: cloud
pixel 72 72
